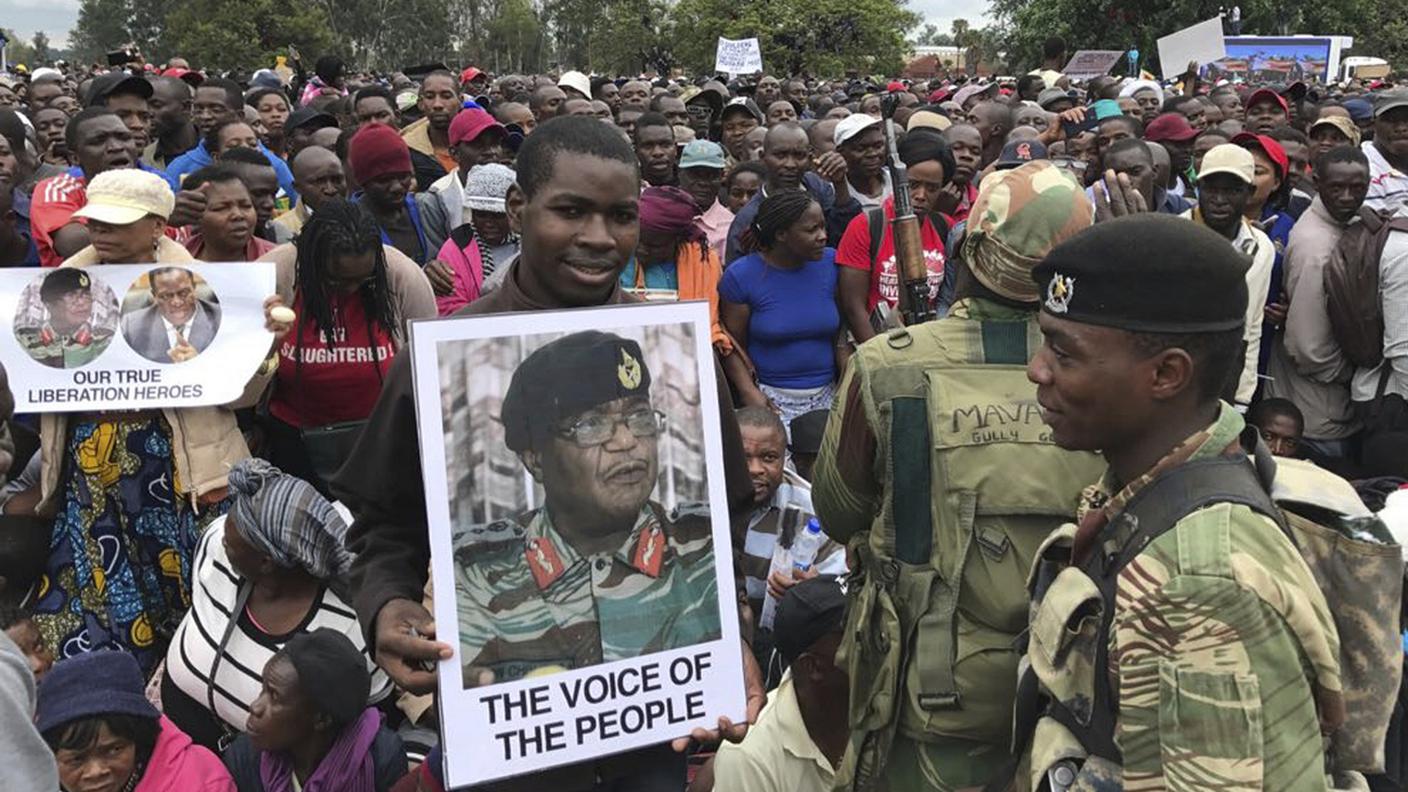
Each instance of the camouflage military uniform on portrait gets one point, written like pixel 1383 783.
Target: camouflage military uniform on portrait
pixel 938 473
pixel 530 603
pixel 529 600
pixel 63 350
pixel 65 342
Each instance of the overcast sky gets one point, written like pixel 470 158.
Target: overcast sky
pixel 56 17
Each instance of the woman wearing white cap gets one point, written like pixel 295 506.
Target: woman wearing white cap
pixel 130 488
pixel 483 246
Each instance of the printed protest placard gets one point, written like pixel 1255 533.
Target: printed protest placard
pixel 579 536
pixel 1089 64
pixel 738 56
pixel 1201 43
pixel 133 336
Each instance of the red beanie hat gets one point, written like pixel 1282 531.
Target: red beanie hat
pixel 377 150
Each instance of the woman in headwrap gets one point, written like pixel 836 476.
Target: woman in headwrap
pixel 309 730
pixel 779 303
pixel 673 259
pixel 278 562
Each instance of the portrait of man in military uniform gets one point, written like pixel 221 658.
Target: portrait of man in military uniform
pixel 68 320
pixel 600 570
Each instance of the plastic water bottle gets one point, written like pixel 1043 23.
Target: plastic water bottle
pixel 806 545
pixel 801 555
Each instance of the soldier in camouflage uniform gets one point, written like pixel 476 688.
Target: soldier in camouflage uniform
pixel 601 572
pixel 939 475
pixel 1192 652
pixel 67 338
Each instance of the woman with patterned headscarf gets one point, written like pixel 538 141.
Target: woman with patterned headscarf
pixel 274 567
pixel 673 258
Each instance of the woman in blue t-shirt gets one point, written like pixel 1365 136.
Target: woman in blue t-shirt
pixel 779 304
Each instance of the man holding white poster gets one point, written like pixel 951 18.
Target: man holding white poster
pixel 601 572
pixel 570 258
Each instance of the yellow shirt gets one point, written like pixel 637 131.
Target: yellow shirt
pixel 777 755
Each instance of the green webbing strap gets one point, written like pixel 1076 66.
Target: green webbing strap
pixel 936 649
pixel 910 460
pixel 1005 343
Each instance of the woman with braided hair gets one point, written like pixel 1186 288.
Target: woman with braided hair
pixel 353 296
pixel 779 303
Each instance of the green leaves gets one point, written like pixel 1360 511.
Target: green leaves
pixel 818 36
pixel 1378 28
pixel 218 34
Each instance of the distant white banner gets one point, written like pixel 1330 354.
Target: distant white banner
pixel 133 336
pixel 738 56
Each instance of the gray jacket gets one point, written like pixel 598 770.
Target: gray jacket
pixel 146 332
pixel 28 762
pixel 1307 365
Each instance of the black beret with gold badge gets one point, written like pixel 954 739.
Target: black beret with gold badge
pixel 1146 273
pixel 565 378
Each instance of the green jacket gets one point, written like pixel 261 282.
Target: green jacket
pixel 940 475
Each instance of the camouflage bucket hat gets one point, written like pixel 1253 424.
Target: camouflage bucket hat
pixel 1019 216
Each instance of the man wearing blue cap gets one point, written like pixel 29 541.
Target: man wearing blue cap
pixel 701 175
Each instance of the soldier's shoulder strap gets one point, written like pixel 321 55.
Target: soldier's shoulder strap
pixel 1153 511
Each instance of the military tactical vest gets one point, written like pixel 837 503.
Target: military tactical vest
pixel 974 484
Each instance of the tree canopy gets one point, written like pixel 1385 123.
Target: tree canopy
pixel 623 36
pixel 1377 28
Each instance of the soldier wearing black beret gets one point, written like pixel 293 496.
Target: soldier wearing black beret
pixel 600 572
pixel 1116 313
pixel 63 281
pixel 566 377
pixel 67 338
pixel 1176 566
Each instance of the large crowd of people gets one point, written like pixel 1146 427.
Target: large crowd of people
pixel 1132 278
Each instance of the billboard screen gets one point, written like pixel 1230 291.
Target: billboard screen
pixel 1269 59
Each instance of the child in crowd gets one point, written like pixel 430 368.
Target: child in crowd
pixel 20 628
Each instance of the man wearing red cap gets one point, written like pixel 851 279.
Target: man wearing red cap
pixel 473 81
pixel 381 164
pixel 1266 110
pixel 1174 132
pixel 475 139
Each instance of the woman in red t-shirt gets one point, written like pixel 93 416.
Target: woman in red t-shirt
pixel 868 275
pixel 352 302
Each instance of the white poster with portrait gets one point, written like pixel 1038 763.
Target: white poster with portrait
pixel 579 534
pixel 133 336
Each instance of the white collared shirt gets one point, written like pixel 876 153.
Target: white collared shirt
pixel 171 330
pixel 1252 242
